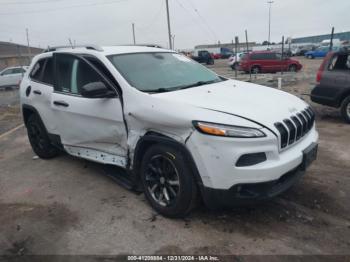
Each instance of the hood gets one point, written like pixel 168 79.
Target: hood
pixel 260 104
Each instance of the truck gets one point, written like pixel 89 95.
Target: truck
pixel 221 52
pixel 204 57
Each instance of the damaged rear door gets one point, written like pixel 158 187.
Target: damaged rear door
pixel 91 128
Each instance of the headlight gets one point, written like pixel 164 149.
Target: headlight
pixel 226 130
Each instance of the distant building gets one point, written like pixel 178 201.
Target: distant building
pixel 319 38
pixel 241 46
pixel 12 54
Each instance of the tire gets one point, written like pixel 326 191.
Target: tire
pixel 39 139
pixel 165 167
pixel 345 109
pixel 234 66
pixel 255 70
pixel 210 62
pixel 310 57
pixel 292 68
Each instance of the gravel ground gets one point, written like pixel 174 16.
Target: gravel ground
pixel 68 206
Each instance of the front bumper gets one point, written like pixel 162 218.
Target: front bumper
pixel 216 158
pixel 249 194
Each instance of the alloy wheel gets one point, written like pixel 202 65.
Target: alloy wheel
pixel 37 136
pixel 162 180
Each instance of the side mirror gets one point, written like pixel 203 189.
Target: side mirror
pixel 96 90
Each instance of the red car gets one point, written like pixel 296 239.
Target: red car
pixel 268 62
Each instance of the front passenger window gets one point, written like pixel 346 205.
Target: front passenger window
pixel 73 73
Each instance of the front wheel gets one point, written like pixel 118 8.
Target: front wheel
pixel 345 109
pixel 168 182
pixel 292 68
pixel 235 66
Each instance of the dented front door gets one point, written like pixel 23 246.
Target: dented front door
pixel 93 124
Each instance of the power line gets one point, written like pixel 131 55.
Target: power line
pixel 154 18
pixel 201 17
pixel 195 20
pixel 64 7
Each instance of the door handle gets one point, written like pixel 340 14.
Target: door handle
pixel 60 103
pixel 37 92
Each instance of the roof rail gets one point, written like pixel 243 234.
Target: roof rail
pixel 146 45
pixel 55 48
pixel 150 45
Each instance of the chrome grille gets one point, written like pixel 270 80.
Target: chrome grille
pixel 295 127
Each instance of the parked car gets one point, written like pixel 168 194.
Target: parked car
pixel 333 83
pixel 216 56
pixel 179 130
pixel 302 49
pixel 234 60
pixel 204 57
pixel 321 51
pixel 218 52
pixel 268 62
pixel 12 76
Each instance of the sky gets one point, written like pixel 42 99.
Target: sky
pixel 193 22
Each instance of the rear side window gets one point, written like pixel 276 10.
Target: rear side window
pixel 18 71
pixel 263 56
pixel 48 72
pixel 7 72
pixel 340 62
pixel 37 70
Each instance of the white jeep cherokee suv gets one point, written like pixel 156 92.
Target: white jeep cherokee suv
pixel 178 129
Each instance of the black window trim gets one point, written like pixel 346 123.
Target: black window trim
pixel 39 81
pixel 336 56
pixel 80 56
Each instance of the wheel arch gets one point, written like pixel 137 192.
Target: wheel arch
pixel 27 111
pixel 256 65
pixel 343 96
pixel 152 138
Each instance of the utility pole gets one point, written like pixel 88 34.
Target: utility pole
pixel 173 37
pixel 169 30
pixel 133 33
pixel 70 42
pixel 270 4
pixel 29 52
pixel 246 40
pixel 236 50
pixel 331 42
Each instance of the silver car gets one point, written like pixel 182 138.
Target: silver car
pixel 12 76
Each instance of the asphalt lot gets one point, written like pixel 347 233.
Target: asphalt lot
pixel 69 206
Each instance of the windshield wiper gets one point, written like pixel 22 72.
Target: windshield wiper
pixel 158 90
pixel 163 90
pixel 199 83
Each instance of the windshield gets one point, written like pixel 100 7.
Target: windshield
pixel 162 72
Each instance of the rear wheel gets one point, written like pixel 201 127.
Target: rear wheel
pixel 255 70
pixel 168 182
pixel 310 57
pixel 345 109
pixel 210 62
pixel 39 139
